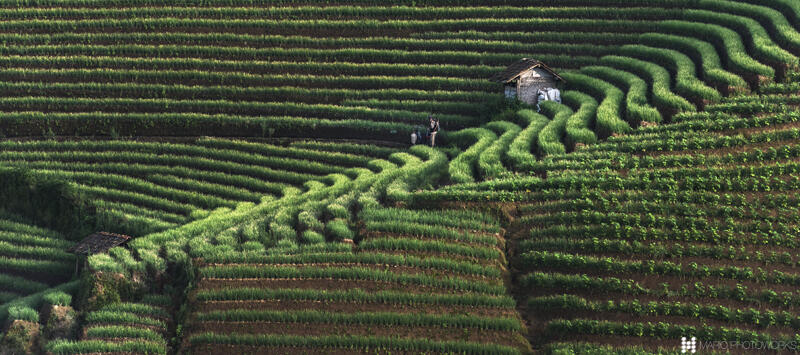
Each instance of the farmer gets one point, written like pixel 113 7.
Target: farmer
pixel 540 96
pixel 416 136
pixel 433 129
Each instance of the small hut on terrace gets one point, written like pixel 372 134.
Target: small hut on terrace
pixel 525 78
pixel 99 242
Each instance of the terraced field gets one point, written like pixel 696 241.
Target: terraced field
pixel 32 259
pixel 256 151
pixel 407 287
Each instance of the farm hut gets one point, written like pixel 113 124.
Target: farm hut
pixel 525 78
pixel 99 242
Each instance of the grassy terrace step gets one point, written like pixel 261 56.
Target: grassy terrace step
pixel 348 342
pixel 359 259
pixel 354 295
pixel 255 67
pixel 100 346
pixel 366 309
pixel 156 186
pixel 351 273
pixel 388 319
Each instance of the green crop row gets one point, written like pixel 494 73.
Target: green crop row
pixel 355 55
pixel 658 250
pixel 259 67
pixel 606 38
pixel 233 93
pixel 137 308
pixel 551 136
pixel 120 317
pixel 697 142
pixel 716 183
pixel 244 44
pixel 31 266
pixel 609 115
pixel 34 252
pixel 366 150
pixel 28 240
pixel 637 109
pixel 351 342
pixel 366 318
pixel 660 234
pixel 430 10
pixel 679 212
pixel 213 256
pixel 356 296
pixel 431 231
pixel 193 124
pixel 351 273
pixel 14 228
pixel 750 316
pixel 719 121
pixel 490 161
pixel 23 313
pixel 66 347
pixel 435 107
pixel 701 52
pixel 434 246
pixel 176 154
pixel 685 74
pixel 519 151
pixel 462 168
pixel 462 219
pixel 183 168
pixel 751 30
pixel 243 85
pixel 657 77
pixel 57 298
pixel 123 332
pixel 578 128
pixel 699 290
pixel 561 261
pixel 142 187
pixel 219 107
pixel 558 328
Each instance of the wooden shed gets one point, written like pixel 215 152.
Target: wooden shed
pixel 99 242
pixel 523 79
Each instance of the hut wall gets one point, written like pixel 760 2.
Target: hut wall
pixel 531 81
pixel 511 90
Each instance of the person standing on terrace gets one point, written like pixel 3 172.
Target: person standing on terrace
pixel 433 128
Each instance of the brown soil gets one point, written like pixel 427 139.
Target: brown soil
pixel 21 337
pixel 350 307
pixel 323 329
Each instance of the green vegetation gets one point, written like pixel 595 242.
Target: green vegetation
pixel 256 152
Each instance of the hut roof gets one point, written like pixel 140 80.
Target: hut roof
pixel 98 243
pixel 514 70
